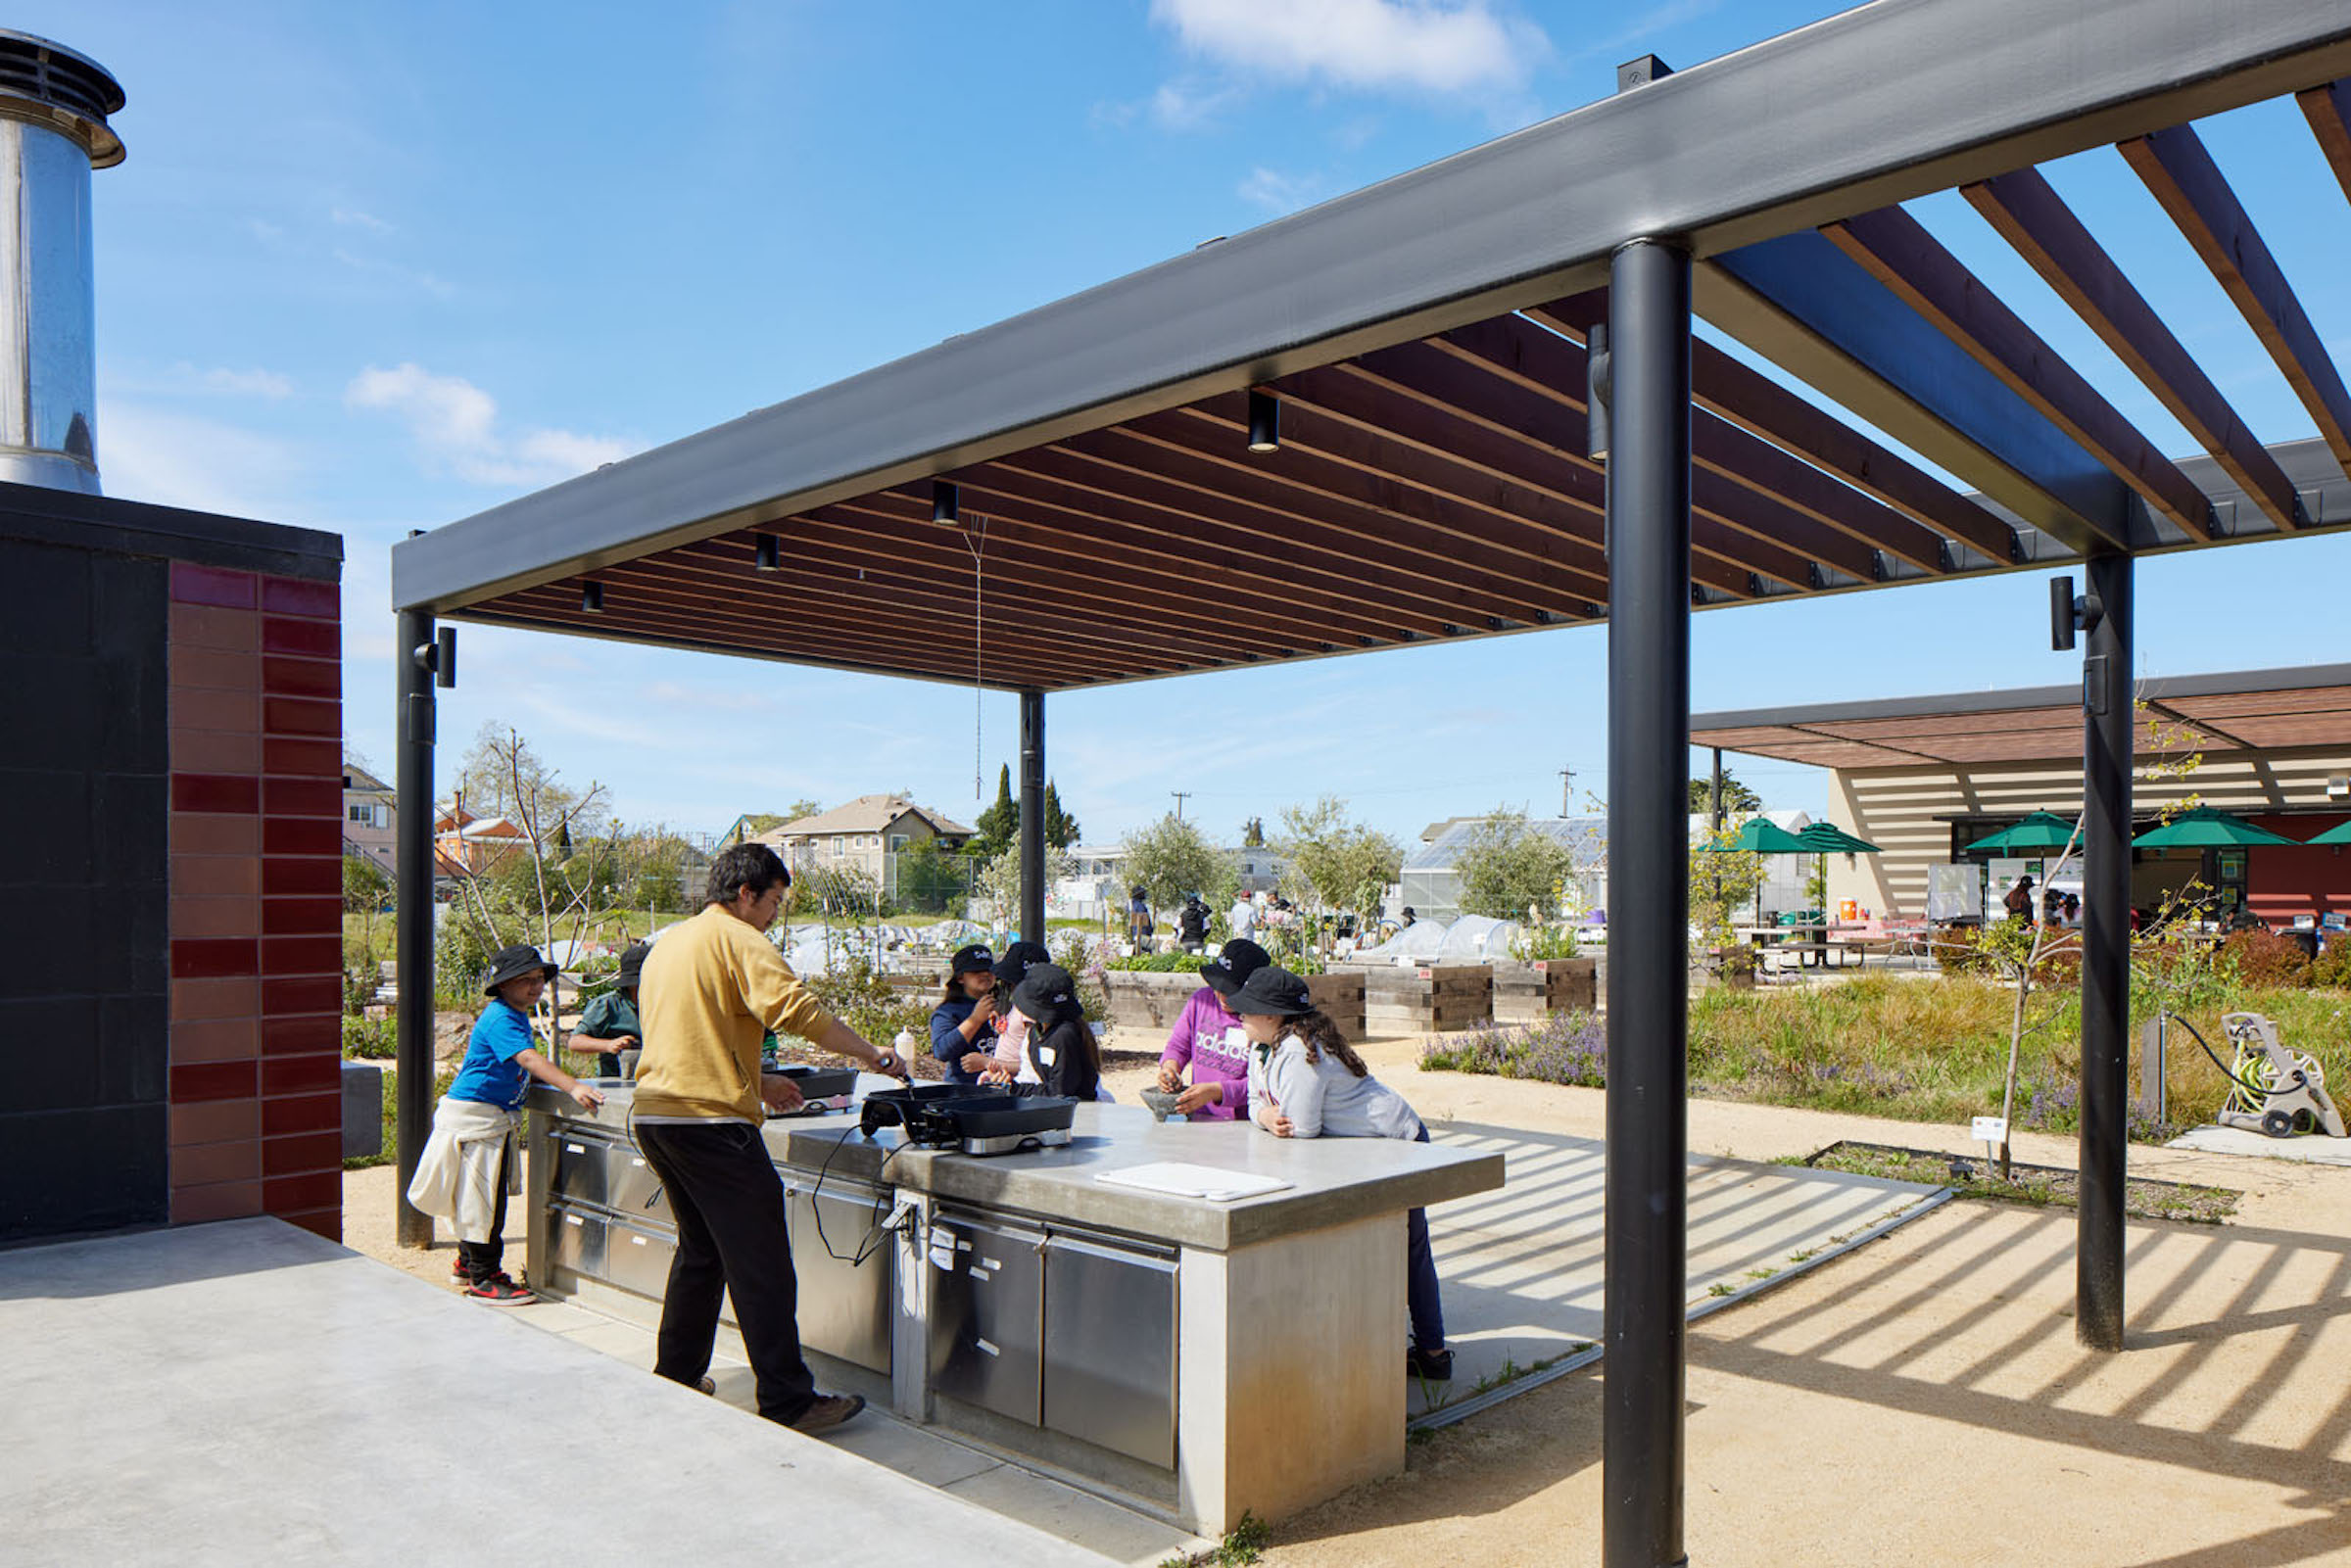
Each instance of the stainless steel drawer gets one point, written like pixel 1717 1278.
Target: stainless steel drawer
pixel 845 1307
pixel 580 1166
pixel 631 1188
pixel 576 1241
pixel 637 1259
pixel 1110 1347
pixel 988 1313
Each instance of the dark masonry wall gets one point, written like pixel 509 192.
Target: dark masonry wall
pixel 87 952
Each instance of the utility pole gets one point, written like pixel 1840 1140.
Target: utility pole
pixel 1181 795
pixel 1567 790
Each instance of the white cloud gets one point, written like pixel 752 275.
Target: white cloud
pixel 352 217
pixel 182 380
pixel 456 427
pixel 1446 46
pixel 1185 106
pixel 438 287
pixel 1277 192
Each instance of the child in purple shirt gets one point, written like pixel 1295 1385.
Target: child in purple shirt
pixel 1208 1039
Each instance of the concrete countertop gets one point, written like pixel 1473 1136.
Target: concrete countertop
pixel 1332 1180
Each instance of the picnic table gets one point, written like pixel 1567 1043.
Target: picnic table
pixel 1802 939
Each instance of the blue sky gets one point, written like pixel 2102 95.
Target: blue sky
pixel 373 267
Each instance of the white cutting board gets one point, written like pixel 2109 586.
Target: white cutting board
pixel 1184 1180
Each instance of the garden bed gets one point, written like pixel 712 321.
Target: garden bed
pixel 2042 1186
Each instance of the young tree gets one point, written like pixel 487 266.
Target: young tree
pixel 1252 833
pixel 999 825
pixel 1736 797
pixel 1061 829
pixel 1337 863
pixel 1511 871
pixel 997 883
pixel 1169 859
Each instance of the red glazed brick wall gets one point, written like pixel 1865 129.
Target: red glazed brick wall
pixel 257 910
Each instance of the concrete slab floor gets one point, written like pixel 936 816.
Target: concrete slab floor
pixel 2318 1149
pixel 245 1391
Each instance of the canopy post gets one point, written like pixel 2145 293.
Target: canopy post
pixel 415 658
pixel 2108 723
pixel 1032 816
pixel 1648 871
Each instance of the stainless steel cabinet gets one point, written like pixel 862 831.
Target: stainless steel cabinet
pixel 638 1258
pixel 580 1165
pixel 1109 1345
pixel 845 1307
pixel 631 1188
pixel 576 1241
pixel 987 1312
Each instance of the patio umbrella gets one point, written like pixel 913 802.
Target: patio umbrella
pixel 1760 836
pixel 2042 831
pixel 2340 833
pixel 1829 839
pixel 2202 828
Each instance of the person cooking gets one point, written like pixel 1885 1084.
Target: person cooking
pixel 608 1024
pixel 1209 1041
pixel 710 988
pixel 1060 1044
pixel 963 1027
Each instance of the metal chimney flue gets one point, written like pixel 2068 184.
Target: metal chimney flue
pixel 53 133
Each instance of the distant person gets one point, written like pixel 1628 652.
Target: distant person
pixel 963 1027
pixel 2073 909
pixel 2019 902
pixel 1208 1039
pixel 1138 916
pixel 1306 1081
pixel 1012 1024
pixel 1242 917
pixel 1191 926
pixel 608 1024
pixel 467 1165
pixel 712 987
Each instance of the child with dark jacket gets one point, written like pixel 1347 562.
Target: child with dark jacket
pixel 1060 1044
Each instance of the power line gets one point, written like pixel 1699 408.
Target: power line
pixel 1180 795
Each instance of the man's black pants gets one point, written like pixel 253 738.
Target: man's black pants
pixel 729 1204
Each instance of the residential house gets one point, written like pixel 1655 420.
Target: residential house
pixel 368 815
pixel 465 844
pixel 867 835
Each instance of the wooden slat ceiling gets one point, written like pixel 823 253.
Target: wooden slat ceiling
pixel 1998 731
pixel 1440 489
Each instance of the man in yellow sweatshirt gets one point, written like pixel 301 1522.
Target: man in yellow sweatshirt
pixel 711 990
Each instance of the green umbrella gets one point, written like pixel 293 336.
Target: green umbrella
pixel 1759 836
pixel 2202 828
pixel 1829 839
pixel 2340 833
pixel 2042 831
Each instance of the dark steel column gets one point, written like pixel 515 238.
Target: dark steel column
pixel 2106 741
pixel 1715 817
pixel 1648 902
pixel 1032 816
pixel 413 917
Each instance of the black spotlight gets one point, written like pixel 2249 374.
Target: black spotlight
pixel 592 597
pixel 947 503
pixel 1265 421
pixel 769 556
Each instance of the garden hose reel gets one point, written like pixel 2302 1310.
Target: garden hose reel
pixel 2275 1091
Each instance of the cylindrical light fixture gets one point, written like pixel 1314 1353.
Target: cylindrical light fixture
pixel 1265 421
pixel 947 503
pixel 769 556
pixel 592 597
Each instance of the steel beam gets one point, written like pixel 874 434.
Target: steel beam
pixel 1646 1200
pixel 2034 218
pixel 1032 816
pixel 1898 101
pixel 2108 724
pixel 2182 176
pixel 413 721
pixel 1803 303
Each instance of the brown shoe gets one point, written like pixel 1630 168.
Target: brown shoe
pixel 829 1411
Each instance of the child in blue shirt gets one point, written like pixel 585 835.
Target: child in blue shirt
pixel 464 1170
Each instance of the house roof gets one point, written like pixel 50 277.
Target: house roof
pixel 867 814
pixel 2247 710
pixel 356 777
pixel 1425 340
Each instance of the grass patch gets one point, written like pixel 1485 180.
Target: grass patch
pixel 1244 1544
pixel 2040 1186
pixel 1913 1049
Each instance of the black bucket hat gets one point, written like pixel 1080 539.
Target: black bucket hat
pixel 969 956
pixel 1045 992
pixel 1272 991
pixel 631 966
pixel 1233 964
pixel 512 964
pixel 1019 958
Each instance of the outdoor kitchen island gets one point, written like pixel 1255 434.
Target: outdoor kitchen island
pixel 1197 1356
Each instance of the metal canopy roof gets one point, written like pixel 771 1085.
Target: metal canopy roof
pixel 1425 338
pixel 2251 710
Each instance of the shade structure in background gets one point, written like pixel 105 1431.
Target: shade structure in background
pixel 2204 827
pixel 2041 831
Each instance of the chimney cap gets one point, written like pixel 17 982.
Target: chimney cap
pixel 47 84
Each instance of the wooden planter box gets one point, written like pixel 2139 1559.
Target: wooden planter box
pixel 1340 994
pixel 1526 993
pixel 1430 999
